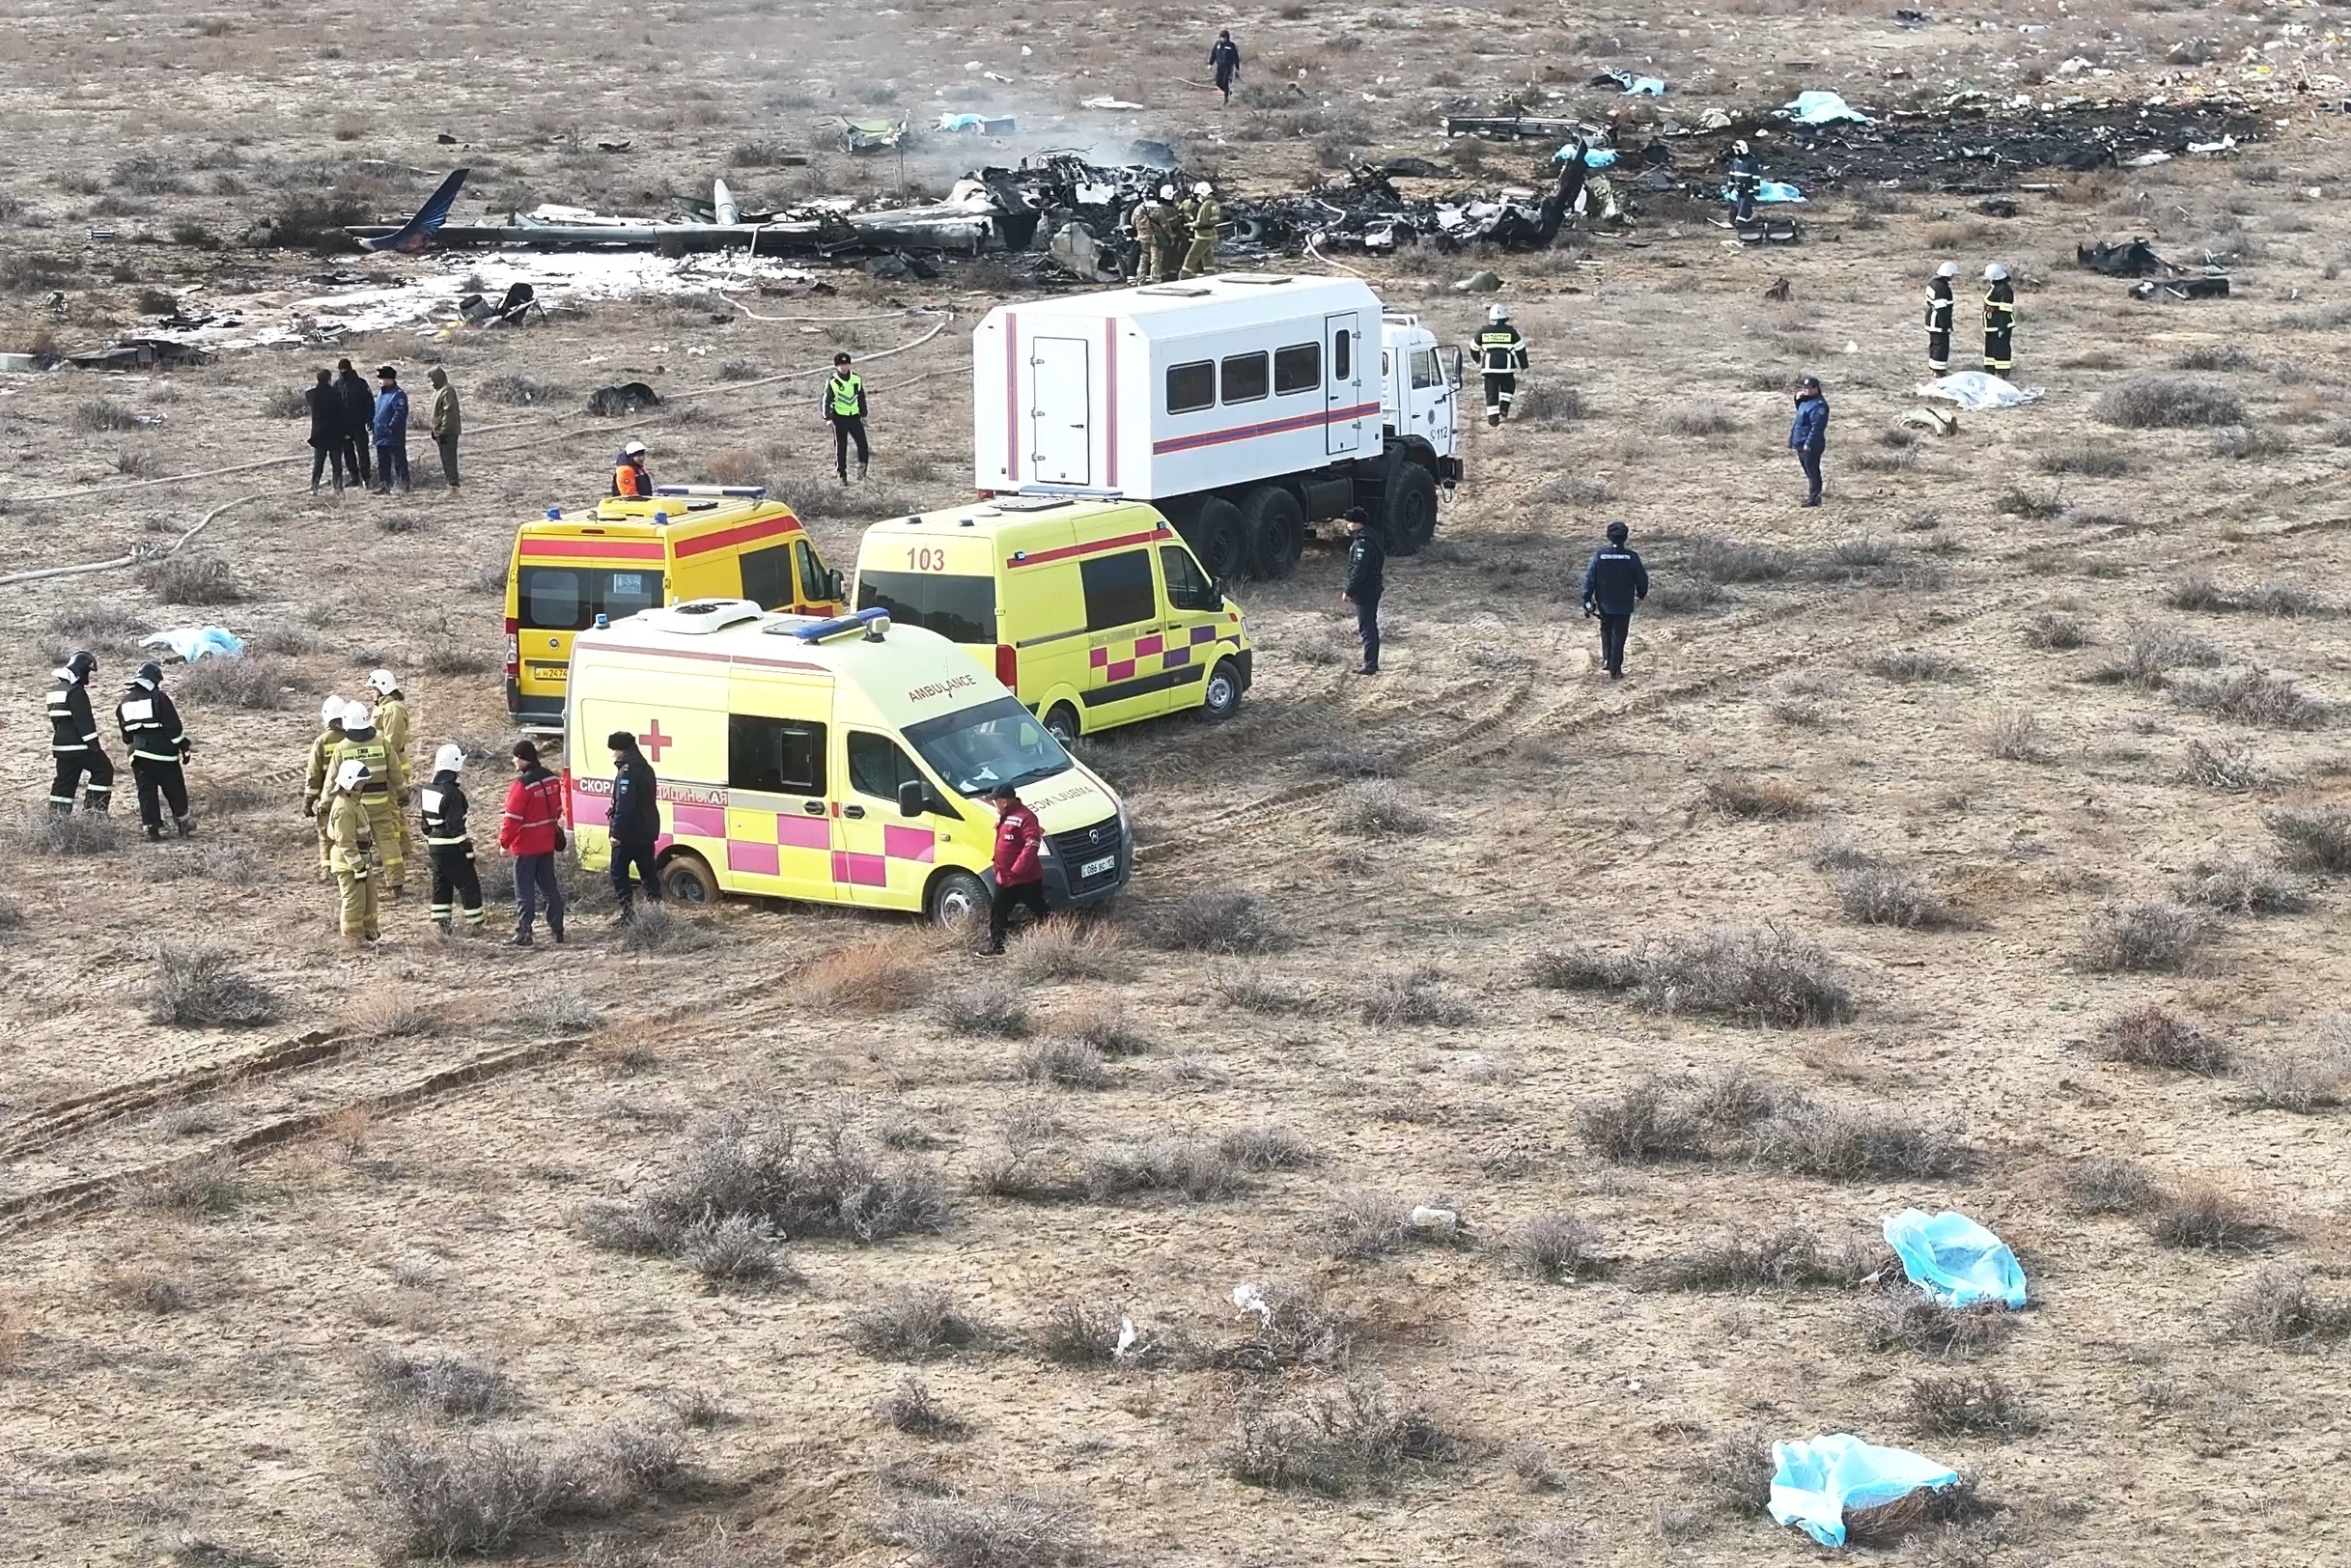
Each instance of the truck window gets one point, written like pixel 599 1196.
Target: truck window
pixel 1244 378
pixel 1192 387
pixel 877 767
pixel 1188 586
pixel 1424 369
pixel 813 587
pixel 960 610
pixel 1118 590
pixel 1342 357
pixel 1298 367
pixel 766 577
pixel 569 598
pixel 778 756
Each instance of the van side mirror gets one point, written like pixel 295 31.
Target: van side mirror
pixel 1216 589
pixel 836 589
pixel 1453 378
pixel 911 798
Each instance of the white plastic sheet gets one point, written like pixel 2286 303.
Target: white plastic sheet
pixel 1978 391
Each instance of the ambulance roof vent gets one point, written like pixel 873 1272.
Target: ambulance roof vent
pixel 699 617
pixel 1027 503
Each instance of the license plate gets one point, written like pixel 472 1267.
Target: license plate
pixel 1095 868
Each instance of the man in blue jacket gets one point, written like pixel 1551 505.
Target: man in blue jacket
pixel 391 431
pixel 1612 584
pixel 1809 436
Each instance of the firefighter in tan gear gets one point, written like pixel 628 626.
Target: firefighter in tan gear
pixel 349 831
pixel 1502 354
pixel 380 797
pixel 320 781
pixel 1205 215
pixel 391 714
pixel 1148 218
pixel 1168 237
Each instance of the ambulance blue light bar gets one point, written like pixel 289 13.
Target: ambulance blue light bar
pixel 872 622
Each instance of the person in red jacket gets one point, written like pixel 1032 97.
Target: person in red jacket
pixel 1020 875
pixel 532 831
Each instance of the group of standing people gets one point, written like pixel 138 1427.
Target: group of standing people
pixel 152 733
pixel 1159 224
pixel 349 423
pixel 2000 318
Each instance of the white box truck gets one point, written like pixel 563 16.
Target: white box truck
pixel 1244 405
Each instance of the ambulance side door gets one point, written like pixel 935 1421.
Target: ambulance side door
pixel 779 821
pixel 1124 676
pixel 887 857
pixel 1194 612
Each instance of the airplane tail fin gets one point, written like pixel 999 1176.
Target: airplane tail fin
pixel 419 231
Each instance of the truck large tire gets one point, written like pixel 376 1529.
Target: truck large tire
pixel 1409 517
pixel 1273 526
pixel 1214 536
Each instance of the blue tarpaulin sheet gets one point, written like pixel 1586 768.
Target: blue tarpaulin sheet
pixel 1822 109
pixel 960 122
pixel 1594 158
pixel 1954 1259
pixel 1768 190
pixel 1815 1481
pixel 194 642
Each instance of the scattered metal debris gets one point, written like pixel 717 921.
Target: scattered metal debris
pixel 2136 259
pixel 628 397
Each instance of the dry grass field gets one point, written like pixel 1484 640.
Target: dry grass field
pixel 1978 840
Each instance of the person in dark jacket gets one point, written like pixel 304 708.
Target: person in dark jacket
pixel 441 807
pixel 1999 320
pixel 532 832
pixel 1613 585
pixel 159 747
pixel 633 819
pixel 845 407
pixel 74 740
pixel 358 421
pixel 1938 307
pixel 391 429
pixel 1224 59
pixel 1809 435
pixel 326 436
pixel 1020 864
pixel 1366 580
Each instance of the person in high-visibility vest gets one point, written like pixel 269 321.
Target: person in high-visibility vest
pixel 1145 221
pixel 1938 317
pixel 1502 354
pixel 629 477
pixel 380 796
pixel 349 836
pixel 391 715
pixel 1168 241
pixel 1206 215
pixel 318 784
pixel 845 407
pixel 1999 320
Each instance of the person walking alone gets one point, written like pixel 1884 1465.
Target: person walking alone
pixel 358 423
pixel 328 440
pixel 1614 584
pixel 158 746
pixel 633 822
pixel 1999 320
pixel 390 424
pixel 1019 868
pixel 447 422
pixel 532 832
pixel 845 407
pixel 441 807
pixel 73 742
pixel 1938 317
pixel 347 839
pixel 1502 355
pixel 1224 59
pixel 1366 580
pixel 1808 434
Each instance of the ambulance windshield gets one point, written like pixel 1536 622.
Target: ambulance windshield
pixel 995 743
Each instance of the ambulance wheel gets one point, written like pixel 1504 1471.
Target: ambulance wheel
pixel 957 899
pixel 1410 518
pixel 1275 528
pixel 1215 539
pixel 1061 723
pixel 1222 699
pixel 687 879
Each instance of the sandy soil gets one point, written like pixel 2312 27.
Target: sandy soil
pixel 417 1136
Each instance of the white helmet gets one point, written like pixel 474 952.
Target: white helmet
pixel 350 776
pixel 1495 315
pixel 383 681
pixel 1995 273
pixel 1201 189
pixel 448 760
pixel 1167 193
pixel 331 712
pixel 635 449
pixel 1948 269
pixel 1739 148
pixel 358 715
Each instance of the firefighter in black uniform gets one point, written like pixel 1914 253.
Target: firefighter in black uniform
pixel 1938 317
pixel 1502 354
pixel 456 881
pixel 1999 320
pixel 1745 181
pixel 159 747
pixel 74 740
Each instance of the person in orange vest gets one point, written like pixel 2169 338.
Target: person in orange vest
pixel 629 477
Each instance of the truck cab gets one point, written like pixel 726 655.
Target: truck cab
pixel 1420 390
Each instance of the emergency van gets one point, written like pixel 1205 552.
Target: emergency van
pixel 1244 405
pixel 629 554
pixel 1094 613
pixel 839 761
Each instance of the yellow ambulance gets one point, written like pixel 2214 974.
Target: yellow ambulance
pixel 1094 612
pixel 841 760
pixel 682 542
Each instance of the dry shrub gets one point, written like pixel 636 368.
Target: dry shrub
pixel 1226 923
pixel 256 685
pixel 1072 1064
pixel 2277 1308
pixel 1414 996
pixel 480 1491
pixel 1364 1224
pixel 436 1383
pixel 870 978
pixel 1744 797
pixel 43 834
pixel 1556 1248
pixel 2009 735
pixel 732 1249
pixel 2203 1216
pixel 914 1323
pixel 1952 1404
pixel 1105 1026
pixel 1736 1469
pixel 1700 419
pixel 1531 1463
pixel 2151 1036
pixel 2199 592
pixel 2153 936
pixel 2106 1185
pixel 1068 950
pixel 1760 976
pixel 1195 1167
pixel 2223 766
pixel 1839 1144
pixel 2056 632
pixel 147 1290
pixel 1646 1124
pixel 1716 559
pixel 395 1014
pixel 1015 1531
pixel 191 579
pixel 2151 654
pixel 1380 809
pixel 912 1409
pixel 1906 1320
pixel 1890 1521
pixel 1288 1327
pixel 1555 969
pixel 2169 402
pixel 990 1009
pixel 2248 696
pixel 2312 840
pixel 2235 882
pixel 653 929
pixel 1783 1259
pixel 201 986
pixel 2297 1081
pixel 1907 665
pixel 1357 1439
pixel 1266 1147
pixel 1255 993
pixel 1884 894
